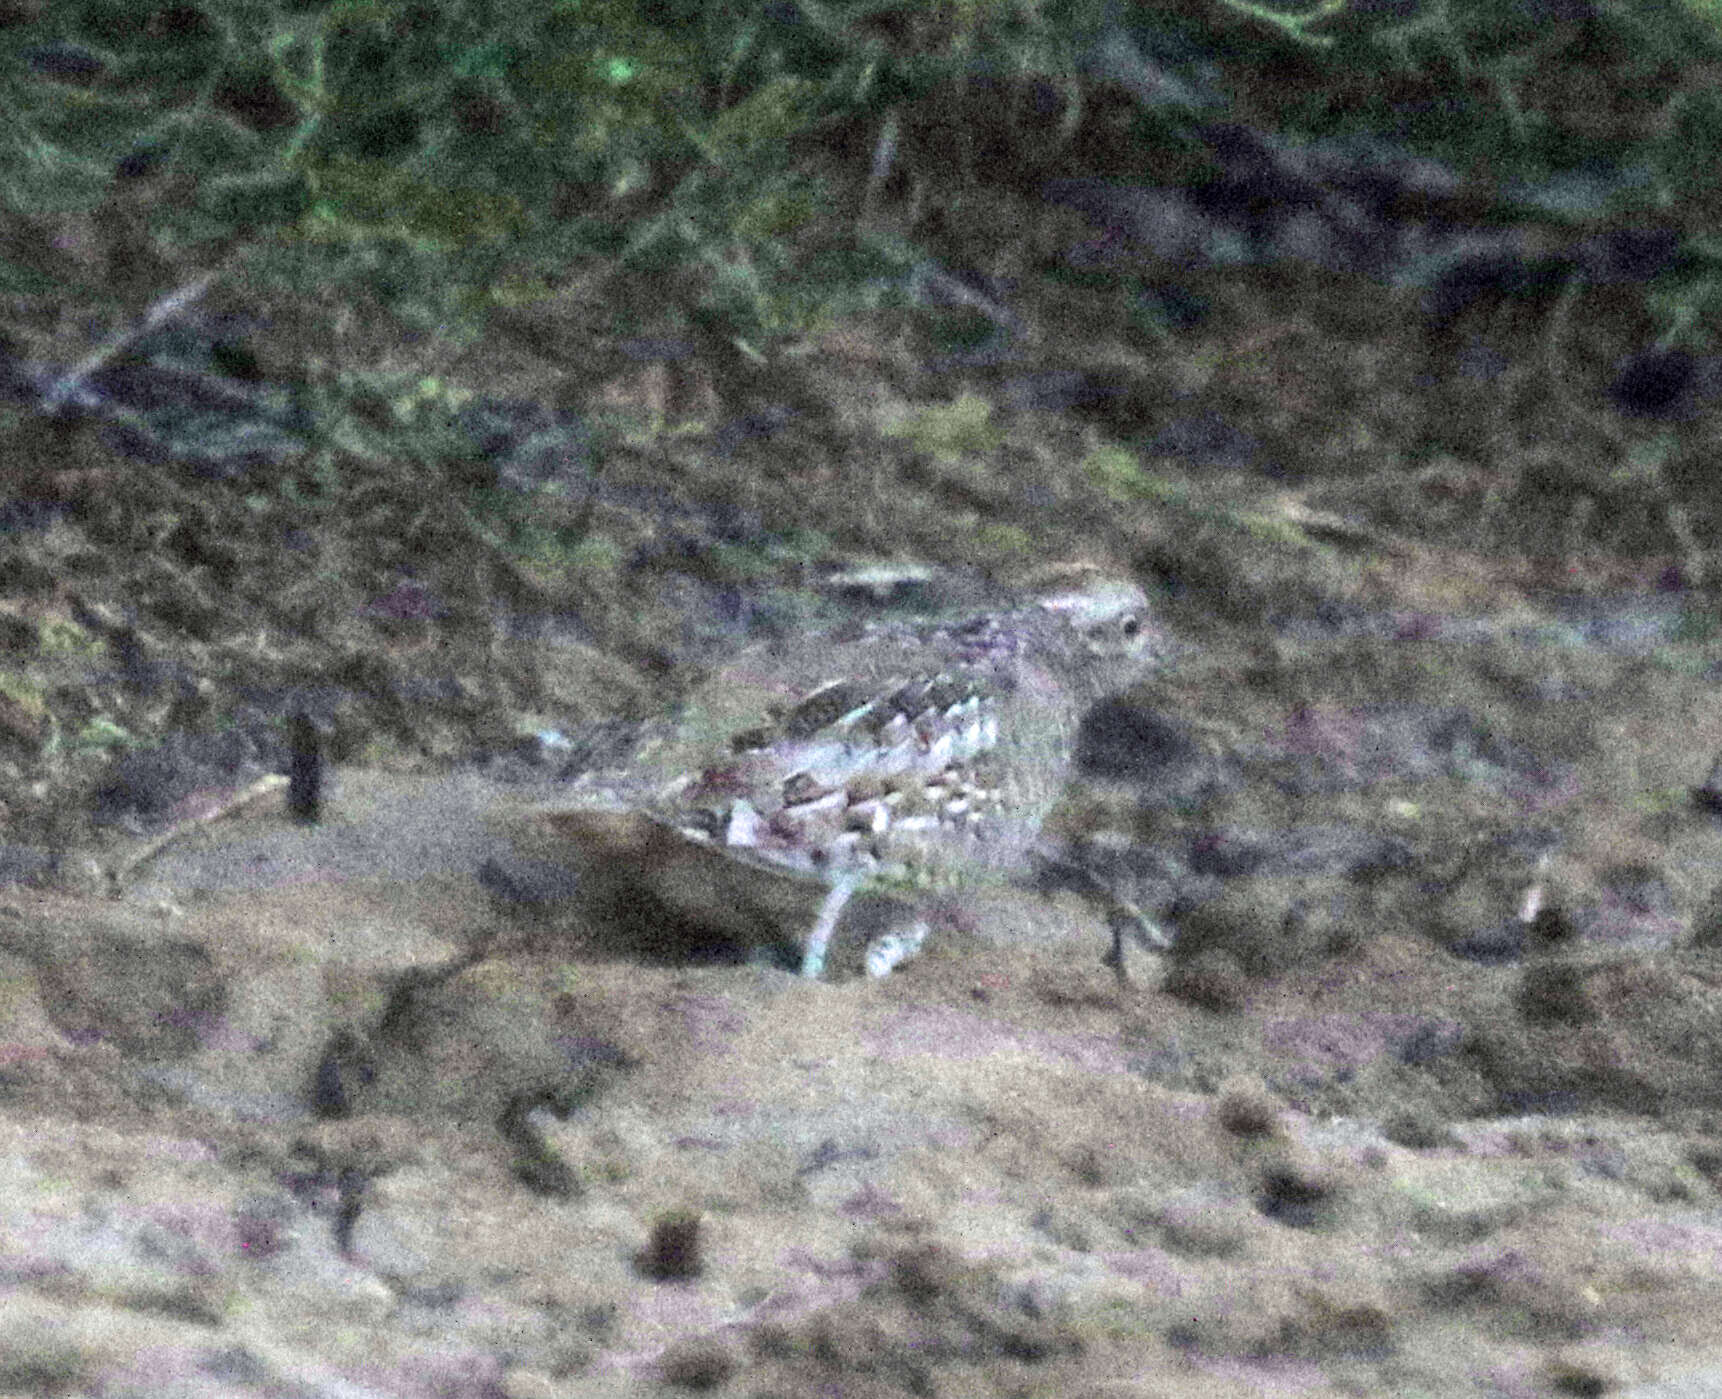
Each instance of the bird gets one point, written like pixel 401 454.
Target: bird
pixel 888 757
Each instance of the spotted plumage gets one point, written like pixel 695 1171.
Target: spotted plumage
pixel 886 758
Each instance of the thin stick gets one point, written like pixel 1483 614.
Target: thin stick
pixel 225 806
pixel 163 310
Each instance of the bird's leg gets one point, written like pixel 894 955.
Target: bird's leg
pixel 813 960
pixel 885 954
pixel 1121 913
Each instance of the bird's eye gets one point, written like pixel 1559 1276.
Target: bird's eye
pixel 1132 627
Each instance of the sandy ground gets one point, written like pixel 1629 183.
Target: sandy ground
pixel 995 1172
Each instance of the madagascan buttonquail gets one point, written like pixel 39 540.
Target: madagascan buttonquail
pixel 894 757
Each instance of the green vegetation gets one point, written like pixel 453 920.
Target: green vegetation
pixel 711 238
pixel 431 156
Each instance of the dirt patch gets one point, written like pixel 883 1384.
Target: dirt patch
pixel 273 1123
